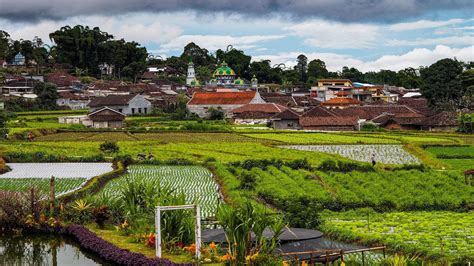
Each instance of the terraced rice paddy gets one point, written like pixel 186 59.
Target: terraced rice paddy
pixel 388 154
pixel 195 181
pixel 68 176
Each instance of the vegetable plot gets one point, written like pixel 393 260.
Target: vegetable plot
pixel 434 234
pixel 195 181
pixel 388 154
pixel 42 184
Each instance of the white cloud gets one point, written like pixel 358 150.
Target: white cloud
pixel 325 34
pixel 414 58
pixel 423 24
pixel 453 40
pixel 214 42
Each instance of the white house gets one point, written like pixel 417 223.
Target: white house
pixel 130 104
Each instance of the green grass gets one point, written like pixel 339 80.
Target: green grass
pixel 450 156
pixel 321 138
pixel 42 184
pixel 432 234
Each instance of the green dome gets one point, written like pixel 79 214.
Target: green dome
pixel 194 82
pixel 254 78
pixel 239 81
pixel 224 70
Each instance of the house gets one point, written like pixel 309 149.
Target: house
pixel 73 101
pixel 63 80
pixel 106 118
pixel 226 101
pixel 341 103
pixel 129 104
pixel 442 121
pixel 329 123
pixel 327 89
pixel 287 119
pixel 76 119
pixel 19 85
pixel 256 113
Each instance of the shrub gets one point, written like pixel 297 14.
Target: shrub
pixel 109 147
pixel 101 215
pixel 344 167
pixel 12 210
pixel 109 252
pixel 248 180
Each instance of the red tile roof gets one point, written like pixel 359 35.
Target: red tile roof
pixel 272 108
pixel 341 101
pixel 111 100
pixel 62 79
pixel 328 121
pixel 221 98
pixel 319 112
pixel 372 111
pixel 288 114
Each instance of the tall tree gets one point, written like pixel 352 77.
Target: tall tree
pixel 79 46
pixel 467 84
pixel 302 67
pixel 352 73
pixel 4 44
pixel 317 69
pixel 441 85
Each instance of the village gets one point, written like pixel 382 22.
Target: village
pixel 329 105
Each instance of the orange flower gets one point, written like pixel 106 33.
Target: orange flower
pixel 225 258
pixel 191 248
pixel 212 246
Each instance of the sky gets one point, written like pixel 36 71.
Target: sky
pixel 367 34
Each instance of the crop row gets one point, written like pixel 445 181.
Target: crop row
pixel 433 234
pixel 24 184
pixel 388 154
pixel 196 182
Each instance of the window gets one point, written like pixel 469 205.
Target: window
pixel 145 110
pixel 133 111
pixel 139 110
pixel 120 110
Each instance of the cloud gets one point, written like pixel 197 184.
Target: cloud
pixel 423 24
pixel 325 34
pixel 214 42
pixel 453 40
pixel 340 10
pixel 414 58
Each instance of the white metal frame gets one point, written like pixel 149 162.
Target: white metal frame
pixel 197 230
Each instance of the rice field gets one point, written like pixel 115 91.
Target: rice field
pixel 195 181
pixel 62 185
pixel 387 154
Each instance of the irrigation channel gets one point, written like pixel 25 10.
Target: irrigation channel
pixel 44 250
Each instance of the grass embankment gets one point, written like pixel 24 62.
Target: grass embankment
pixel 127 242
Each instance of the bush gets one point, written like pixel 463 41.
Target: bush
pixel 109 147
pixel 248 181
pixel 12 210
pixel 344 167
pixel 109 252
pixel 101 215
pixel 264 164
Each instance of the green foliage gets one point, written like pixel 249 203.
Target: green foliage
pixel 344 167
pixel 240 222
pixel 215 114
pixel 371 127
pixel 4 117
pixel 109 147
pixel 441 85
pixel 434 235
pixel 47 96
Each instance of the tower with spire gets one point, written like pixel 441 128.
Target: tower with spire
pixel 191 76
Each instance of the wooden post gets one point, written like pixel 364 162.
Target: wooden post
pixel 311 261
pixel 363 259
pixel 197 231
pixel 383 250
pixel 158 232
pixel 327 259
pixel 51 197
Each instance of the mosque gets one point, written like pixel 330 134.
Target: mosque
pixel 223 76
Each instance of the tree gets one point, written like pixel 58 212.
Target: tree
pixel 4 44
pixel 215 114
pixel 352 73
pixel 467 84
pixel 317 69
pixel 80 46
pixel 302 67
pixel 4 124
pixel 47 96
pixel 200 56
pixel 441 85
pixel 133 70
pixel 237 60
pixel 409 78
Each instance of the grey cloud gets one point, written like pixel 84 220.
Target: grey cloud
pixel 339 10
